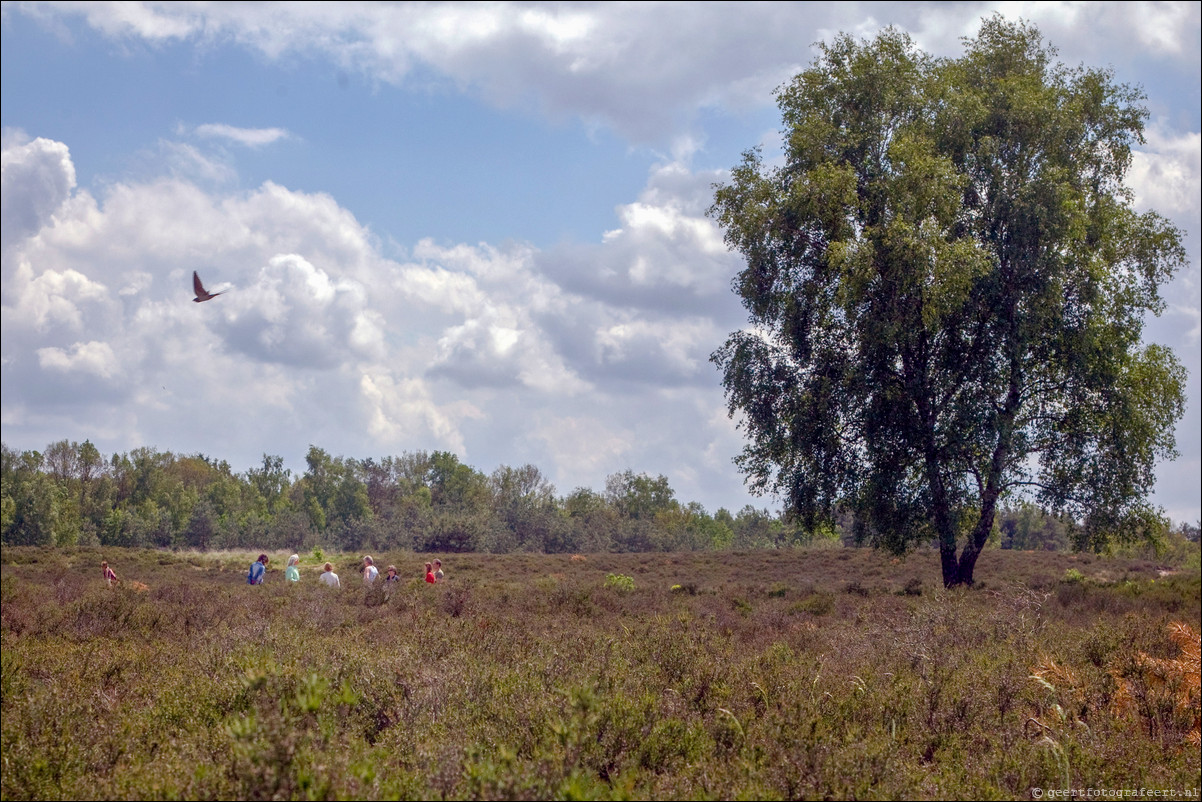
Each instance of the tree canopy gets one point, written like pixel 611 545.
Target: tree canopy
pixel 71 495
pixel 946 283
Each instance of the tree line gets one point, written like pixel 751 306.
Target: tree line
pixel 72 495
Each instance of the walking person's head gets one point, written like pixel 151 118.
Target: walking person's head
pixel 294 559
pixel 263 559
pixel 328 567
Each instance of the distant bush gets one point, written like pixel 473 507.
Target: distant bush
pixel 818 604
pixel 619 582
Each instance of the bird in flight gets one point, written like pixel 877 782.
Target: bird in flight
pixel 201 293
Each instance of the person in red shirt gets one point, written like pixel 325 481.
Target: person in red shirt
pixel 109 576
pixel 430 573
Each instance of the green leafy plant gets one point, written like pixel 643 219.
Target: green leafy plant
pixel 619 582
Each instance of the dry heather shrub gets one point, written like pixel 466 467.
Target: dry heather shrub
pixel 1177 679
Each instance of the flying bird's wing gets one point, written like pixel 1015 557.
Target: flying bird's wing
pixel 201 293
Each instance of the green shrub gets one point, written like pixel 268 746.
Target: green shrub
pixel 619 582
pixel 818 604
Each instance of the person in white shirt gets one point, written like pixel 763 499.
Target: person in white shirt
pixel 370 572
pixel 328 577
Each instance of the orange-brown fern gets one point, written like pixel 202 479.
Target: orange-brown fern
pixel 1180 677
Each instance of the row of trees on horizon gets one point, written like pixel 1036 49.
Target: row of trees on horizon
pixel 72 495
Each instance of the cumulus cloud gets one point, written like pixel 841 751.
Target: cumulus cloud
pixel 51 299
pixel 591 355
pixel 582 445
pixel 641 68
pixel 296 313
pixel 1166 172
pixel 403 410
pixel 499 296
pixel 37 177
pixel 92 357
pixel 471 348
pixel 1165 175
pixel 1163 28
pixel 666 254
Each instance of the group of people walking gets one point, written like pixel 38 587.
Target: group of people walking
pixel 258 570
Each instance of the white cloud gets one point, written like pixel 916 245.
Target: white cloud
pixel 1165 175
pixel 659 352
pixel 296 313
pixel 667 254
pixel 191 163
pixel 595 353
pixel 581 446
pixel 1164 28
pixel 92 357
pixel 145 20
pixel 1167 171
pixel 404 410
pixel 641 68
pixel 37 177
pixel 250 137
pixel 462 347
pixel 52 299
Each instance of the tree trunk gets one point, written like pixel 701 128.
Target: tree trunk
pixel 976 542
pixel 943 522
pixel 993 483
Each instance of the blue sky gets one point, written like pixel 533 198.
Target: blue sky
pixel 468 227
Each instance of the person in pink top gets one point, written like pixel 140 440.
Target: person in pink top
pixel 109 576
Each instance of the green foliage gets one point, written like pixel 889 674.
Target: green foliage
pixel 946 283
pixel 430 502
pixel 619 582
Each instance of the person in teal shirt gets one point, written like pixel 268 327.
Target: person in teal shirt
pixel 292 573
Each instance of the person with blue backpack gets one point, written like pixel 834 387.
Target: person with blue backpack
pixel 258 570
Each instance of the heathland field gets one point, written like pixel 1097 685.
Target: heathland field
pixel 823 673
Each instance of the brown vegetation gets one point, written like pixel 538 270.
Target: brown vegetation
pixel 822 673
